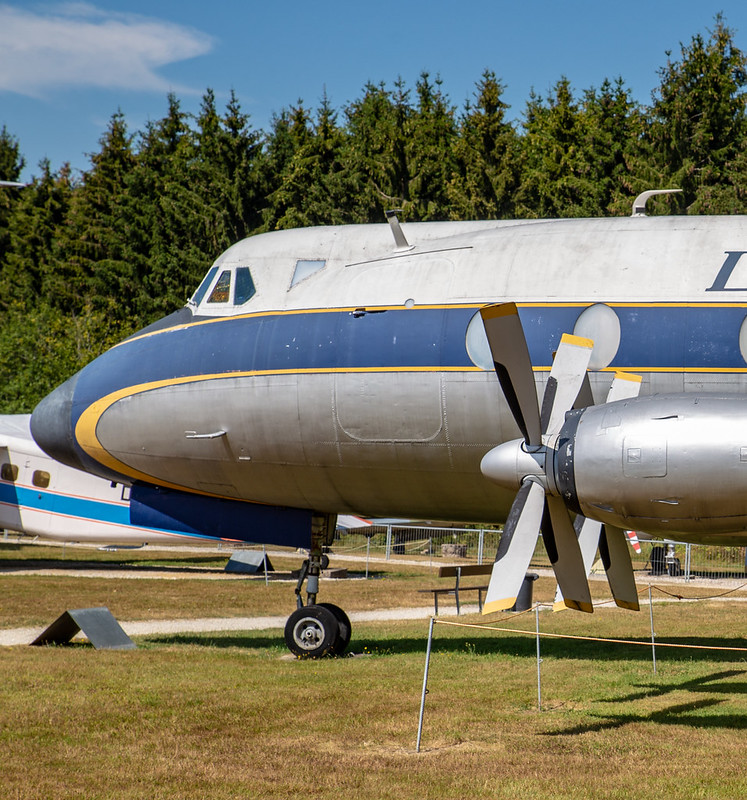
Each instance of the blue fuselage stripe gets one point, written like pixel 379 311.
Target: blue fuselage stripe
pixel 654 337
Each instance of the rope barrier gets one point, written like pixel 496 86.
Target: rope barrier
pixel 583 638
pixel 699 597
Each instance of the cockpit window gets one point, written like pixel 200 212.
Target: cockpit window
pixel 244 286
pixel 203 287
pixel 306 267
pixel 222 289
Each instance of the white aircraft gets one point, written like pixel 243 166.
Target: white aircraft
pixel 347 369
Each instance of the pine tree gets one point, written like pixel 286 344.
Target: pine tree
pixel 430 151
pixel 11 165
pixel 697 128
pixel 554 181
pixel 92 266
pixel 611 124
pixel 317 188
pixel 290 132
pixel 35 228
pixel 486 156
pixel 380 127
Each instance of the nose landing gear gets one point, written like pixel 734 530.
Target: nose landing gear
pixel 317 629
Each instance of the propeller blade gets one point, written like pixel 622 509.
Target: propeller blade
pixel 565 555
pixel 624 386
pixel 516 548
pixel 513 367
pixel 585 398
pixel 587 532
pixel 613 548
pixel 565 381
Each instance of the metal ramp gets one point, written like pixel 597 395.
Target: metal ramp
pixel 248 562
pixel 97 624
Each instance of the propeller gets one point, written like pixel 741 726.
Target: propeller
pixel 526 464
pixel 592 534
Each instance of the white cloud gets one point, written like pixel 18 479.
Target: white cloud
pixel 77 45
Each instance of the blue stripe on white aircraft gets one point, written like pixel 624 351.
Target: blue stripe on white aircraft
pixel 332 370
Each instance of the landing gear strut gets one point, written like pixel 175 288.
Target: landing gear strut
pixel 314 630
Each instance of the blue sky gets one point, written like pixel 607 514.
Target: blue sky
pixel 66 67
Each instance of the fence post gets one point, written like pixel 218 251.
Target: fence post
pixel 480 545
pixel 388 541
pixel 425 685
pixel 539 660
pixel 687 561
pixel 653 635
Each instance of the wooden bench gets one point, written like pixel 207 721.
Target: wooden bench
pixel 459 572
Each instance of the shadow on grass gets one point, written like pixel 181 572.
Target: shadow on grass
pixel 677 714
pixel 501 645
pixel 248 641
pixel 199 564
pixel 672 715
pixel 706 683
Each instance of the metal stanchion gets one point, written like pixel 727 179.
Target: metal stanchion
pixel 539 660
pixel 653 635
pixel 425 684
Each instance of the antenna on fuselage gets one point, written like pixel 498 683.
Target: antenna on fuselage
pixel 399 237
pixel 639 204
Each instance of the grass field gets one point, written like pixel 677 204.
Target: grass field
pixel 231 716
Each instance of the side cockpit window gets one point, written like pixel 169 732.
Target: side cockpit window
pixel 244 286
pixel 203 287
pixel 222 289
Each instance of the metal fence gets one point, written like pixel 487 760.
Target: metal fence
pixel 438 545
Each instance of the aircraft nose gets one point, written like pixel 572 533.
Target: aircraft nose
pixel 51 424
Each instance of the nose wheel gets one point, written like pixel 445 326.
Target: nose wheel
pixel 317 630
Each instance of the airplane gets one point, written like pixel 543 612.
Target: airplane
pixel 352 369
pixel 41 497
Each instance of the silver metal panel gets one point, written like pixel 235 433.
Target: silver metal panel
pixel 395 407
pixel 644 456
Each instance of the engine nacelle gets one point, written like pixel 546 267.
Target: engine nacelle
pixel 666 465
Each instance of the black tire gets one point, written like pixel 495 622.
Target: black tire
pixel 311 632
pixel 343 621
